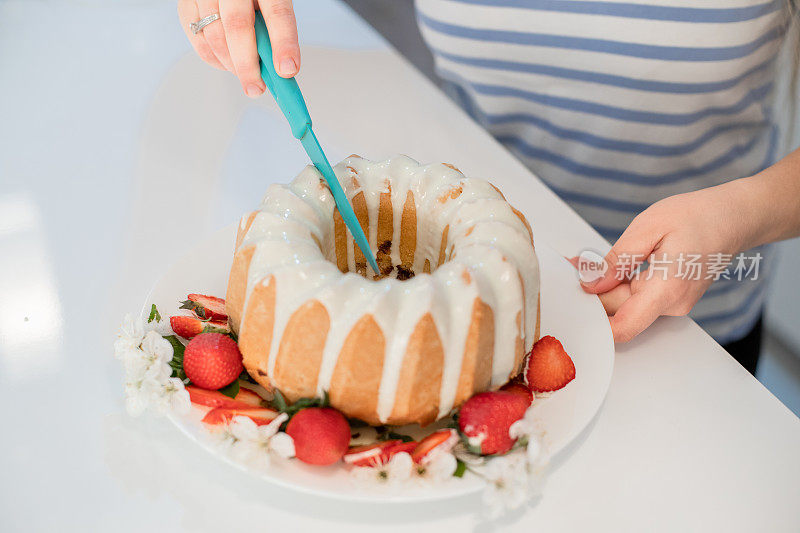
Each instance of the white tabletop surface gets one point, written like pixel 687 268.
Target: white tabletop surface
pixel 119 151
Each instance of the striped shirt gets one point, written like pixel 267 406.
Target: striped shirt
pixel 616 105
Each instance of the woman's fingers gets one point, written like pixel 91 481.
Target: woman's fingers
pixel 638 312
pixel 282 28
pixel 188 13
pixel 238 18
pixel 631 249
pixel 215 33
pixel 613 299
pixel 231 43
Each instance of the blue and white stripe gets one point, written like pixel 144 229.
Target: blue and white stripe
pixel 616 105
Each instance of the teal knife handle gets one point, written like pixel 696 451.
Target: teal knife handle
pixel 285 90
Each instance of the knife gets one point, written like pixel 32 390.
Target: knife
pixel 290 100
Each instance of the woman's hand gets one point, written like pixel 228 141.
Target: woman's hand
pixel 713 223
pixel 230 43
pixel 674 234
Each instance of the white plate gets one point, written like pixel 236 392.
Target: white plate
pixel 575 318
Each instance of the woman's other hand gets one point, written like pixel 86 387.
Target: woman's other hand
pixel 230 43
pixel 711 224
pixel 704 225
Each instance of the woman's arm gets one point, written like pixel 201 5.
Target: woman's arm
pixel 770 202
pixel 717 221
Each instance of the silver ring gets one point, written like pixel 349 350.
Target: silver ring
pixel 198 26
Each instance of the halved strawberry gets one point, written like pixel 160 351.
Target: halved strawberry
pixel 186 326
pixel 517 387
pixel 443 440
pixel 206 307
pixel 260 415
pixel 378 453
pixel 549 367
pixel 189 326
pixel 245 399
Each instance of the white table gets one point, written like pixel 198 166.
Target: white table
pixel 108 172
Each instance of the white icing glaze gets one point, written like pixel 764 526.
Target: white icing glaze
pixel 490 257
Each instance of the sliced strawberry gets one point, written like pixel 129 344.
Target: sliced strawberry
pixel 407 447
pixel 246 399
pixel 518 388
pixel 260 415
pixel 378 453
pixel 206 307
pixel 189 326
pixel 443 440
pixel 186 326
pixel 368 454
pixel 549 366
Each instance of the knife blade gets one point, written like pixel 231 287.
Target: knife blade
pixel 290 100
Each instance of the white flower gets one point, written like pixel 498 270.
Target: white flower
pixel 475 440
pixel 136 365
pixel 282 445
pixel 158 352
pixel 463 454
pixel 397 470
pixel 139 395
pixel 439 467
pixel 506 483
pixel 171 396
pixel 253 444
pixel 145 355
pixel 527 428
pixel 130 336
pixel 524 426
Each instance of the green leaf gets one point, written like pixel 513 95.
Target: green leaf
pixel 231 390
pixel 193 306
pixel 279 402
pixel 154 314
pixel 212 329
pixel 244 376
pixel 393 436
pixel 461 467
pixel 177 357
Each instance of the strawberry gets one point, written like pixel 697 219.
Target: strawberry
pixel 212 361
pixel 220 415
pixel 186 326
pixel 321 435
pixel 206 307
pixel 245 399
pixel 549 366
pixel 443 440
pixel 517 387
pixel 189 326
pixel 378 453
pixel 486 418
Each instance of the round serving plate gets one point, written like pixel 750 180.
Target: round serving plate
pixel 577 319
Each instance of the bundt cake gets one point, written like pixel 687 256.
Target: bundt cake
pixel 452 312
